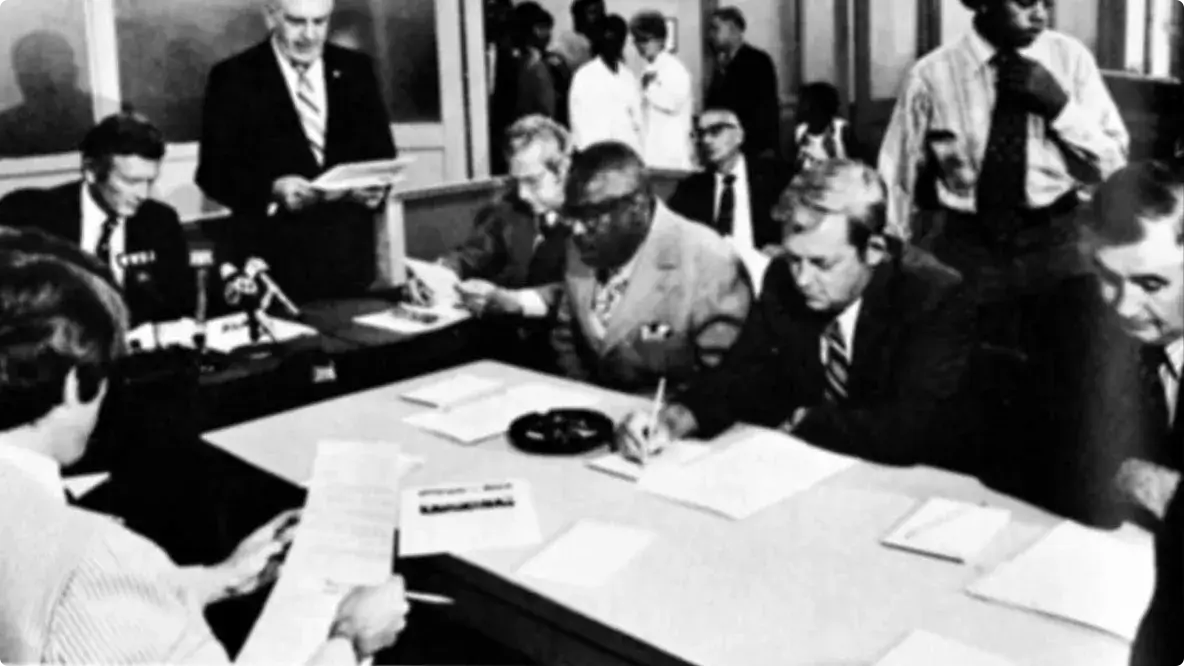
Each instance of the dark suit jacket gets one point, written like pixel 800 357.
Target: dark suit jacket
pixel 695 197
pixel 501 248
pixel 162 290
pixel 913 338
pixel 251 135
pixel 748 86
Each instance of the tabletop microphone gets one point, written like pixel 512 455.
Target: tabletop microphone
pixel 201 259
pixel 257 269
pixel 231 291
pixel 137 267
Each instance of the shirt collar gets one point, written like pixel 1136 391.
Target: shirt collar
pixel 315 70
pixel 982 51
pixel 92 212
pixel 1175 354
pixel 40 468
pixel 739 169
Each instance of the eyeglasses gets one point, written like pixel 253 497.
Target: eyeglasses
pixel 714 129
pixel 595 215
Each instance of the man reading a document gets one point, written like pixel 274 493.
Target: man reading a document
pixel 856 343
pixel 275 117
pixel 78 586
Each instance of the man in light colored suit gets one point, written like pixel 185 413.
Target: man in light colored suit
pixel 647 294
pixel 79 587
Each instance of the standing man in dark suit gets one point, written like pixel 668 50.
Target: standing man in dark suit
pixel 857 342
pixel 278 115
pixel 110 214
pixel 744 81
pixel 735 195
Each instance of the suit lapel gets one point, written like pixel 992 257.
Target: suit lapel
pixel 872 326
pixel 650 281
pixel 336 94
pixel 70 213
pixel 271 80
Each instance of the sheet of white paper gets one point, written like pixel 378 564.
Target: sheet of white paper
pixel 358 175
pixel 345 538
pixel 412 319
pixel 588 554
pixel 675 455
pixel 463 517
pixel 81 485
pixel 948 529
pixel 230 332
pixel 439 279
pixel 751 474
pixel 452 390
pixel 1078 574
pixel 492 415
pixel 149 336
pixel 922 648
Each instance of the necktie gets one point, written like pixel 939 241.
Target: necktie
pixel 1155 397
pixel 725 217
pixel 103 248
pixel 604 299
pixel 311 117
pixel 837 364
pixel 1001 192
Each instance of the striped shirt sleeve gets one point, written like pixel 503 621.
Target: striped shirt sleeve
pixel 126 603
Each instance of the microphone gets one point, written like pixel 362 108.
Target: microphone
pixel 137 265
pixel 201 259
pixel 231 292
pixel 256 269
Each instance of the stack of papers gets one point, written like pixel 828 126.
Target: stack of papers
pixel 463 517
pixel 1078 574
pixel 492 415
pixel 948 529
pixel 751 474
pixel 345 538
pixel 922 648
pixel 588 554
pixel 362 175
pixel 452 390
pixel 675 455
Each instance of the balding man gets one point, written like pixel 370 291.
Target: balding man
pixel 647 294
pixel 278 115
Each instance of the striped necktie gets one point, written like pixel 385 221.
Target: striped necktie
pixel 311 114
pixel 837 364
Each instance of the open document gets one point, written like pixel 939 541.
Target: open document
pixel 345 538
pixel 362 175
pixel 1078 574
pixel 753 473
pixel 444 310
pixel 463 517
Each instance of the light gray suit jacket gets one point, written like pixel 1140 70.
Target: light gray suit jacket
pixel 683 307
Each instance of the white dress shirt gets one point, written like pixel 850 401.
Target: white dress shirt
pixel 667 103
pixel 605 105
pixel 847 320
pixel 1170 375
pixel 316 79
pixel 742 237
pixel 93 219
pixel 42 469
pixel 953 89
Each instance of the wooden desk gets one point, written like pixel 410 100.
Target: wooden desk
pixel 804 582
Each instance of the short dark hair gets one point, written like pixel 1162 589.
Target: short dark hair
pixel 732 15
pixel 647 25
pixel 60 310
pixel 1139 193
pixel 824 96
pixel 603 157
pixel 124 133
pixel 578 6
pixel 836 187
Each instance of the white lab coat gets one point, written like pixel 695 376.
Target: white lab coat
pixel 605 106
pixel 667 104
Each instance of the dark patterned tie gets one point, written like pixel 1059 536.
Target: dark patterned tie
pixel 1155 397
pixel 837 364
pixel 103 249
pixel 725 218
pixel 1001 194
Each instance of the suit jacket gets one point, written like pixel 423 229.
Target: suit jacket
pixel 163 290
pixel 748 86
pixel 501 248
pixel 695 198
pixel 80 588
pixel 687 282
pixel 913 337
pixel 251 135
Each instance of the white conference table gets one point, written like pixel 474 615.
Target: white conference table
pixel 803 582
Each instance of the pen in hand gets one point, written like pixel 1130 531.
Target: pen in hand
pixel 652 426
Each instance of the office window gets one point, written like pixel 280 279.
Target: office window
pixel 1153 45
pixel 45 97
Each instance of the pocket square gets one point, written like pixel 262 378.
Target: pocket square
pixel 655 331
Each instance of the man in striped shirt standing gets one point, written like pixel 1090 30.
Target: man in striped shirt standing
pixel 997 133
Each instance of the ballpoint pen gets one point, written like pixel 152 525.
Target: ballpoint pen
pixel 653 423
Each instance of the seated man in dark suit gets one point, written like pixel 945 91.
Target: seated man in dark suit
pixel 110 214
pixel 647 294
pixel 857 342
pixel 275 117
pixel 735 195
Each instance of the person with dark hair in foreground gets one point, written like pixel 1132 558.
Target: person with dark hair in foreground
pixel 110 213
pixel 647 293
pixel 78 586
pixel 858 343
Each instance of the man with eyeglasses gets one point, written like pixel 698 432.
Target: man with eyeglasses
pixel 647 293
pixel 735 194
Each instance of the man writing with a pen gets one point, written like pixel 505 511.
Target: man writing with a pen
pixel 857 344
